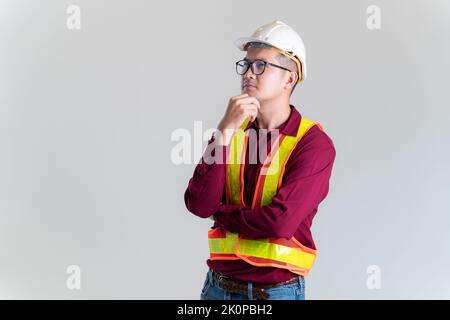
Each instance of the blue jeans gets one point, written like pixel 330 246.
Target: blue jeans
pixel 212 291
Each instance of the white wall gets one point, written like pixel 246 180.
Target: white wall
pixel 86 116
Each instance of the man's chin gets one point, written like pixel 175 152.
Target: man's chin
pixel 251 91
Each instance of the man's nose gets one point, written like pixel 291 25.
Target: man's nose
pixel 249 74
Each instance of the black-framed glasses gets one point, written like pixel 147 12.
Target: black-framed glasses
pixel 258 66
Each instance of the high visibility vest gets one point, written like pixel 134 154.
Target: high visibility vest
pixel 271 252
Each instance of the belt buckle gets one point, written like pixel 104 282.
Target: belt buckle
pixel 221 277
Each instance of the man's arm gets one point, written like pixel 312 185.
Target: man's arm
pixel 304 186
pixel 204 193
pixel 206 188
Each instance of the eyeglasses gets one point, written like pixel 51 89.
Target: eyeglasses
pixel 258 66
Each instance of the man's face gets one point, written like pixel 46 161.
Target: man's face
pixel 269 84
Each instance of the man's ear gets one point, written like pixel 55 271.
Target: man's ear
pixel 292 79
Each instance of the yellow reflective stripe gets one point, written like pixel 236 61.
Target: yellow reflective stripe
pixel 234 165
pixel 269 189
pixel 276 166
pixel 305 124
pixel 266 250
pixel 245 123
pixel 224 245
pixel 236 147
pixel 274 171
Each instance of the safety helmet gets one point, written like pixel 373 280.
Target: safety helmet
pixel 282 37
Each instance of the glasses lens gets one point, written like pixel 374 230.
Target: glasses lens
pixel 258 66
pixel 241 67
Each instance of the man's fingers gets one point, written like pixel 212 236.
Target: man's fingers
pixel 247 100
pixel 239 96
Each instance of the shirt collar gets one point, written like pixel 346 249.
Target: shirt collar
pixel 289 127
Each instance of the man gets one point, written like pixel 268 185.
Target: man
pixel 261 245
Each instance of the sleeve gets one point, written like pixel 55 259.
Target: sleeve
pixel 205 190
pixel 304 186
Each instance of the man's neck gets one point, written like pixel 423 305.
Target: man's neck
pixel 272 115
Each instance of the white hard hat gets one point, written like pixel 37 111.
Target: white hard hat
pixel 279 35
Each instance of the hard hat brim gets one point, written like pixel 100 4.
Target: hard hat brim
pixel 241 42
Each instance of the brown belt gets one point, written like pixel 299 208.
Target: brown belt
pixel 241 287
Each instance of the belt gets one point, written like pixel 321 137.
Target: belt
pixel 241 287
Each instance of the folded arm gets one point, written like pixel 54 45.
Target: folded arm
pixel 305 184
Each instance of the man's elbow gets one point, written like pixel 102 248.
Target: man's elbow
pixel 200 212
pixel 198 208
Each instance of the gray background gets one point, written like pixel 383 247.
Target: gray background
pixel 86 118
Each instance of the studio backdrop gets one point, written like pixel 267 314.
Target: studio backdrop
pixel 97 96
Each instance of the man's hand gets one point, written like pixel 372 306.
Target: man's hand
pixel 239 108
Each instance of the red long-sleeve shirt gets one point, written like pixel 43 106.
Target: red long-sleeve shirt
pixel 305 184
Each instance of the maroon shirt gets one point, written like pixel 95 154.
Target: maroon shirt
pixel 305 184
